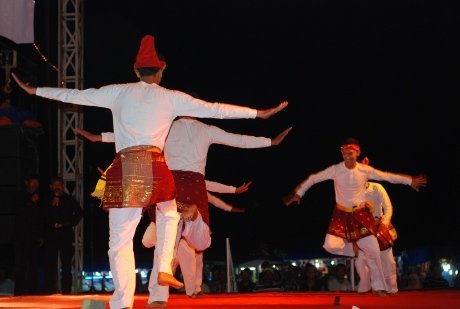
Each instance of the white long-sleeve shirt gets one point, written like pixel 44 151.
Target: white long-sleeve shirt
pixel 214 200
pixel 350 184
pixel 378 196
pixel 219 188
pixel 188 142
pixel 143 113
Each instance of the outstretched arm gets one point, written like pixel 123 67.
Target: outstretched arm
pixel 218 187
pixel 280 137
pixel 26 87
pixel 418 181
pixel 291 198
pixel 267 113
pixel 214 200
pixel 90 136
pixel 243 188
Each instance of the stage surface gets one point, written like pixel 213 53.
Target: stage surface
pixel 420 299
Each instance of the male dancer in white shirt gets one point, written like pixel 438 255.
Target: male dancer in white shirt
pixel 195 235
pixel 189 260
pixel 186 151
pixel 139 177
pixel 383 212
pixel 351 221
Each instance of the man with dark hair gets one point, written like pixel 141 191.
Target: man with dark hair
pixel 60 214
pixel 28 237
pixel 139 176
pixel 352 221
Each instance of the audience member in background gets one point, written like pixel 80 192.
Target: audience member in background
pixel 434 278
pixel 61 213
pixel 413 279
pixel 6 283
pixel 269 280
pixel 28 237
pixel 291 279
pixel 339 281
pixel 310 280
pixel 246 284
pixel 218 282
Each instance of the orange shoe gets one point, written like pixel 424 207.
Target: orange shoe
pixel 168 279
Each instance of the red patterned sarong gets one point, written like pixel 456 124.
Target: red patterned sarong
pixel 386 236
pixel 191 189
pixel 138 177
pixel 352 225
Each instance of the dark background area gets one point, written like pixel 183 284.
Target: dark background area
pixel 385 72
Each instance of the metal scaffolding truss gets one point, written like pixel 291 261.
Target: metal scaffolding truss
pixel 70 148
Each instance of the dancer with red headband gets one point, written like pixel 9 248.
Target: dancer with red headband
pixel 352 221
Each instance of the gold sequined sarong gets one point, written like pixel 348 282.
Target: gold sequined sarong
pixel 138 177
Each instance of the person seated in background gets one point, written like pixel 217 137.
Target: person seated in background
pixel 291 279
pixel 246 284
pixel 310 280
pixel 269 278
pixel 434 279
pixel 6 283
pixel 338 281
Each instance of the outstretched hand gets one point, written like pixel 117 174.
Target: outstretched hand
pixel 26 87
pixel 418 181
pixel 267 113
pixel 280 137
pixel 243 188
pixel 291 198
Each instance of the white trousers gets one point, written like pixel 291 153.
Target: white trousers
pixel 197 234
pixel 370 247
pixel 389 270
pixel 191 266
pixel 122 227
pixel 193 234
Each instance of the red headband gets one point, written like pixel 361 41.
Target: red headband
pixel 350 146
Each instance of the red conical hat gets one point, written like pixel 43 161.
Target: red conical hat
pixel 147 55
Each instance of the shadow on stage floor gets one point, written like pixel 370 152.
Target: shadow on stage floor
pixel 439 299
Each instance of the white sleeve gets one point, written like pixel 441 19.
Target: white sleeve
pixel 219 187
pixel 386 205
pixel 214 200
pixel 313 179
pixel 107 137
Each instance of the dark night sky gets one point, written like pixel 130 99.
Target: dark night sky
pixel 385 72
